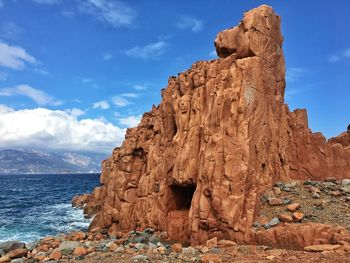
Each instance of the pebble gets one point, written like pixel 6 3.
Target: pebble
pixel 256 224
pixel 298 216
pixel 293 207
pixel 119 250
pixel 286 201
pixel 315 195
pixel 176 247
pixel 274 221
pixel 189 251
pixel 149 230
pixel 345 182
pixel 139 258
pixel 285 218
pixel 275 201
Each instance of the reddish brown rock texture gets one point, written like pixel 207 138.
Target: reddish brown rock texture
pixel 222 134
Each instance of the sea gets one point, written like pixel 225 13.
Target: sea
pixel 34 206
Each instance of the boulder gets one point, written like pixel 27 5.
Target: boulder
pixel 67 247
pixel 11 245
pixel 17 253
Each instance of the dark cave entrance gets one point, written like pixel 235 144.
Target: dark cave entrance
pixel 182 196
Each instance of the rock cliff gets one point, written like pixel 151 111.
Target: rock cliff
pixel 222 134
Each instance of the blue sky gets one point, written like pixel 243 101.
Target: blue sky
pixel 75 73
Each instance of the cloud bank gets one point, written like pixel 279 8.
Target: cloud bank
pixel 57 130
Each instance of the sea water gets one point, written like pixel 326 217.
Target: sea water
pixel 34 206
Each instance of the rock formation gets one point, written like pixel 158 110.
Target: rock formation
pixel 222 134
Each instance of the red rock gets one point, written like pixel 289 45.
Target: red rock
pixel 314 189
pixel 113 247
pixel 211 243
pixel 287 218
pixel 17 253
pixel 43 248
pixel 211 258
pixel 40 257
pixel 98 236
pixel 293 207
pixel 336 193
pixel 77 236
pixel 80 200
pixel 221 136
pixel 298 216
pixel 277 190
pixel 5 259
pixel 226 243
pixel 275 201
pixel 80 251
pixel 321 248
pixel 176 247
pixel 56 255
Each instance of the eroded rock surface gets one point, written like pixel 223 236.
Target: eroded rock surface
pixel 222 134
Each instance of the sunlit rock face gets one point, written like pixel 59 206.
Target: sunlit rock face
pixel 222 134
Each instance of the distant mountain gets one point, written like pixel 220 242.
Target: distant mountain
pixel 23 161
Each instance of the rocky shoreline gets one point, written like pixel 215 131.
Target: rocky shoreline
pixel 285 206
pixel 150 246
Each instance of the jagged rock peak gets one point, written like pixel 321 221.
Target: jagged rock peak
pixel 196 164
pixel 242 39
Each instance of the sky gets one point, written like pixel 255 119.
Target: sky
pixel 74 74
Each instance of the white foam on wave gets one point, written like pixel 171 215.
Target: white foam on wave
pixel 48 220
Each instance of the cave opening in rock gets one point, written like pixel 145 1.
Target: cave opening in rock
pixel 182 196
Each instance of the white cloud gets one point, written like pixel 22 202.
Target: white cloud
pixel 120 101
pixel 150 51
pixel 333 58
pixel 107 56
pixel 10 30
pixel 47 2
pixel 4 108
pixel 113 12
pixel 130 121
pixel 293 74
pixel 68 13
pixel 56 130
pixel 130 95
pixel 14 57
pixel 189 22
pixel 3 75
pixel 340 56
pixel 140 87
pixel 86 80
pixel 40 97
pixel 347 53
pixel 102 104
pixel 75 112
pixel 41 71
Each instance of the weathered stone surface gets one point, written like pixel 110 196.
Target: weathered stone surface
pixel 320 248
pixel 80 200
pixel 222 135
